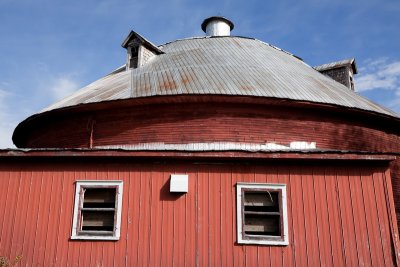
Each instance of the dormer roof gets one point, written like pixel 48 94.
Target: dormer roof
pixel 135 37
pixel 333 65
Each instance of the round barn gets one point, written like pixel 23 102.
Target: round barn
pixel 214 150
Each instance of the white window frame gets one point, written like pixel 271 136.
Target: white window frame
pixel 79 203
pixel 243 238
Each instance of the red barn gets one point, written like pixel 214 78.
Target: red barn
pixel 215 150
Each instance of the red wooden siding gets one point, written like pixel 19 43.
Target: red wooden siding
pixel 395 174
pixel 215 122
pixel 339 214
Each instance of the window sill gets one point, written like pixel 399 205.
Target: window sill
pixel 263 242
pixel 105 238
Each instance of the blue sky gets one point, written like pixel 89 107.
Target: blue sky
pixel 51 48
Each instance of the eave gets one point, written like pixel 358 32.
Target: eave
pixel 335 155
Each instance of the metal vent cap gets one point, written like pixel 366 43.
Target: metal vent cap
pixel 217 26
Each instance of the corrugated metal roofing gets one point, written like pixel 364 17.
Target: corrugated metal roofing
pixel 222 66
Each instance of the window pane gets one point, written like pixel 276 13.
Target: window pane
pixel 98 220
pixel 262 225
pixel 261 201
pixel 99 198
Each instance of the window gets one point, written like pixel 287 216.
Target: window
pixel 351 80
pixel 97 211
pixel 134 57
pixel 262 214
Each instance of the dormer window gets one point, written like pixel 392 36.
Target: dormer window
pixel 139 50
pixel 133 57
pixel 340 71
pixel 351 82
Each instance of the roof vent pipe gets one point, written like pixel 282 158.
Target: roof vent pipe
pixel 217 26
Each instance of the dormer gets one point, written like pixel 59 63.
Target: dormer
pixel 341 71
pixel 139 50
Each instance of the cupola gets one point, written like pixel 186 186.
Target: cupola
pixel 139 50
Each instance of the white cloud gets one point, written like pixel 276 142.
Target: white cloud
pixel 7 120
pixel 382 78
pixel 391 70
pixel 62 87
pixel 16 104
pixel 375 81
pixel 379 74
pixel 48 86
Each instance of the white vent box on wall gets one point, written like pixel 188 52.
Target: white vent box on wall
pixel 179 183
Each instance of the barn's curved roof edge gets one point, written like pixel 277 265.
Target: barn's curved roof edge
pixel 395 116
pixel 19 130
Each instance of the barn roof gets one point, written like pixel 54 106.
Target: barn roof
pixel 227 65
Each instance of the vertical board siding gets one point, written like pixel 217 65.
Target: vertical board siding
pixel 390 203
pixel 335 221
pixel 288 254
pixel 371 219
pixel 313 248
pixel 322 219
pixel 347 219
pixel 20 222
pixel 337 215
pixel 383 218
pixel 298 241
pixel 9 211
pixel 359 218
pixel 202 217
pixel 395 175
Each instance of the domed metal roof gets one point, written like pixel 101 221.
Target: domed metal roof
pixel 221 66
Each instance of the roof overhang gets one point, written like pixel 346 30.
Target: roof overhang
pixel 19 133
pixel 335 155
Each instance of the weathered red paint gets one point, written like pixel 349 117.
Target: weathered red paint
pixel 339 213
pixel 201 155
pixel 213 121
pixel 395 175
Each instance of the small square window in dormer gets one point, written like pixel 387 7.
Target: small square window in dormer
pixel 97 212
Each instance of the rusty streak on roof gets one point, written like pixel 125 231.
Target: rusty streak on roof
pixel 222 66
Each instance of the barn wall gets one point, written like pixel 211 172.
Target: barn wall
pixel 215 122
pixel 395 173
pixel 338 214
